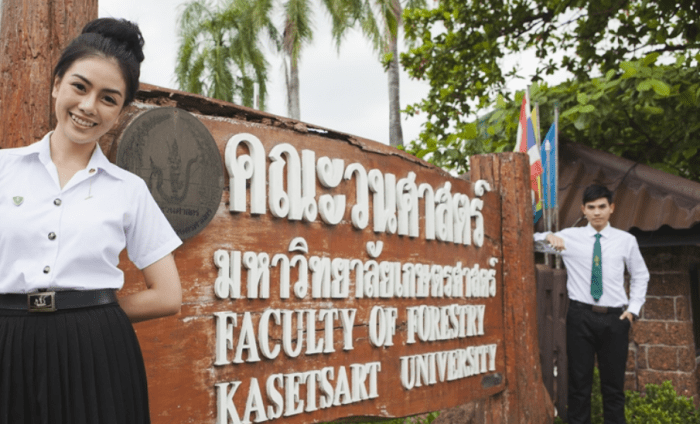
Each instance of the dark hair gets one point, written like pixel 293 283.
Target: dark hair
pixel 109 38
pixel 595 192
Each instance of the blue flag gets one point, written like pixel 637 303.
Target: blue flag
pixel 549 167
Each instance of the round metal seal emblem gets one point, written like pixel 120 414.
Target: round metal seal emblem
pixel 179 160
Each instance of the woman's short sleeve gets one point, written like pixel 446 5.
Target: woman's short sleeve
pixel 149 235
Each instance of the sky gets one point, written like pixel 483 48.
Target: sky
pixel 345 91
pixel 342 90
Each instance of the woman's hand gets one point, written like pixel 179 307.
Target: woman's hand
pixel 163 294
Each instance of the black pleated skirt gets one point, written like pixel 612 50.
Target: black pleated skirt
pixel 77 366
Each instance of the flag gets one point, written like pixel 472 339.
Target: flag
pixel 538 208
pixel 526 143
pixel 550 168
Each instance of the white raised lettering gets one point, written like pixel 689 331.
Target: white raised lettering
pixel 246 341
pixel 407 202
pixel 245 167
pixel 360 211
pixel 224 403
pixel 254 403
pixel 224 335
pixel 264 336
pixel 258 266
pixel 347 319
pixel 444 221
pixel 275 410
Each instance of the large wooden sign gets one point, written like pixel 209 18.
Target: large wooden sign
pixel 335 280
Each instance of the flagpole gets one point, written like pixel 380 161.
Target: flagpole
pixel 556 178
pixel 537 126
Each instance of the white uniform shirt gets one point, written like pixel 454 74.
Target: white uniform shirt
pixel 71 238
pixel 618 248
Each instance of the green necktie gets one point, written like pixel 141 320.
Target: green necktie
pixel 597 277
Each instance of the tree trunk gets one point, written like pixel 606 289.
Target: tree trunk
pixel 395 132
pixel 33 34
pixel 293 109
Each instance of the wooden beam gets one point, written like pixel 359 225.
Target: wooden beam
pixel 33 32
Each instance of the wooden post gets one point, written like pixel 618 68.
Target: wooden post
pixel 33 33
pixel 525 400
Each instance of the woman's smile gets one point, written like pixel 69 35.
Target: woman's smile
pixel 82 122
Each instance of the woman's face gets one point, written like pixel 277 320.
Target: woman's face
pixel 89 98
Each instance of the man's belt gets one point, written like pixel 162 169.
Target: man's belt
pixel 51 301
pixel 596 308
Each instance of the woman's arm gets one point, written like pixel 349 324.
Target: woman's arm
pixel 163 294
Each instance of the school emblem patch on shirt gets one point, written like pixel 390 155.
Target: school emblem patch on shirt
pixel 18 200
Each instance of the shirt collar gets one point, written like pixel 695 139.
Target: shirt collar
pixel 100 162
pixel 34 148
pixel 605 232
pixel 43 149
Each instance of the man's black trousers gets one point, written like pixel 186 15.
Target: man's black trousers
pixel 605 336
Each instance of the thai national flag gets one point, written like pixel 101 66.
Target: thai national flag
pixel 526 143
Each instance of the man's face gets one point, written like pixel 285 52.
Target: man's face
pixel 598 212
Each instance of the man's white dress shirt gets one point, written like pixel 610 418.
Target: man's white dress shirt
pixel 71 237
pixel 618 248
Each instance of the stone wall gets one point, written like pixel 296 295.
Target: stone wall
pixel 662 343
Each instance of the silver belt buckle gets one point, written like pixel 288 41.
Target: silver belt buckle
pixel 41 302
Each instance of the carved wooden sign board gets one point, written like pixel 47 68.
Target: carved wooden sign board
pixel 334 279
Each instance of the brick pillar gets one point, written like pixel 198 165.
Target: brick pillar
pixel 33 33
pixel 663 346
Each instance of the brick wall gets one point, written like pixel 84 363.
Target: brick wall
pixel 662 345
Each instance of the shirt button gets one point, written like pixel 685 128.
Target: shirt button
pixel 57 202
pixel 52 236
pixel 47 269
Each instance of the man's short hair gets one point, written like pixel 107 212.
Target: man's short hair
pixel 595 192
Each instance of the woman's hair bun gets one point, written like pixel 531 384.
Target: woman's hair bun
pixel 110 38
pixel 120 31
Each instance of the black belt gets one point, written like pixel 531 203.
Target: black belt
pixel 50 301
pixel 596 308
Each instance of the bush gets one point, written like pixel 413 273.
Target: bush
pixel 660 405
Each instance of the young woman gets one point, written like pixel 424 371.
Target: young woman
pixel 68 352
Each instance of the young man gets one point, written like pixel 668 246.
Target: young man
pixel 600 314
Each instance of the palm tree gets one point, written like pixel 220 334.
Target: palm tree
pixel 296 34
pixel 219 54
pixel 380 21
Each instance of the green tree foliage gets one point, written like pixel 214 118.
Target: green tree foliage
pixel 219 54
pixel 635 107
pixel 645 112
